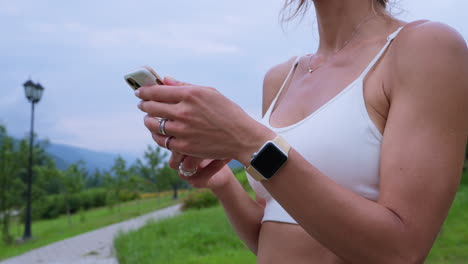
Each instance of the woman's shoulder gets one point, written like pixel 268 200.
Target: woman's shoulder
pixel 428 39
pixel 429 34
pixel 274 79
pixel 427 47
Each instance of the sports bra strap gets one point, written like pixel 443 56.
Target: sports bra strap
pixel 364 73
pixel 381 52
pixel 267 114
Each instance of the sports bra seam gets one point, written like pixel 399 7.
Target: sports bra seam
pixel 375 131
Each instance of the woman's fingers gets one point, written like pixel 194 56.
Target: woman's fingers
pixel 169 80
pixel 204 163
pixel 172 92
pixel 163 93
pixel 199 179
pixel 190 163
pixel 153 124
pixel 175 160
pixel 212 168
pixel 161 141
pixel 206 168
pixel 158 109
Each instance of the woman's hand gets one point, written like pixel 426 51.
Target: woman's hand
pixel 202 122
pixel 211 174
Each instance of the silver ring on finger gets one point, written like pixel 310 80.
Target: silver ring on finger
pixel 168 140
pixel 162 126
pixel 186 173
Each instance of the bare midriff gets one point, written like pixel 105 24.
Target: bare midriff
pixel 288 243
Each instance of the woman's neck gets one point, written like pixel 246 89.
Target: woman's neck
pixel 340 20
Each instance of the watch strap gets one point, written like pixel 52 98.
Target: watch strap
pixel 254 173
pixel 281 144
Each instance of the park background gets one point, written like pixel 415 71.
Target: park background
pixel 79 51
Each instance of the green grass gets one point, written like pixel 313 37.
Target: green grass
pixel 452 244
pixel 205 236
pixel 49 231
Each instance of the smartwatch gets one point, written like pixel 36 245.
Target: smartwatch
pixel 269 159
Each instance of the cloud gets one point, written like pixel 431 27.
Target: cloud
pixel 119 132
pixel 190 38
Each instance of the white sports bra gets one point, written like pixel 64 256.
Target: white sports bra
pixel 339 139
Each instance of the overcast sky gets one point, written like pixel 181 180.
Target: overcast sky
pixel 79 51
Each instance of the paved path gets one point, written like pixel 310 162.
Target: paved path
pixel 95 247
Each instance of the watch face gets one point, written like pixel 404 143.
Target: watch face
pixel 269 160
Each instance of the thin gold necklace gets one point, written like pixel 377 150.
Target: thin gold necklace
pixel 363 21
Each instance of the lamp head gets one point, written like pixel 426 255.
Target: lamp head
pixel 38 92
pixel 33 91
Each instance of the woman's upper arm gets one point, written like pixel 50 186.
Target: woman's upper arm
pixel 272 82
pixel 426 132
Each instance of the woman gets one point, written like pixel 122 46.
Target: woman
pixel 377 129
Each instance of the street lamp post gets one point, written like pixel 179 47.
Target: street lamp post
pixel 33 94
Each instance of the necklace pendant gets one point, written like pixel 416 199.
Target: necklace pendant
pixel 311 71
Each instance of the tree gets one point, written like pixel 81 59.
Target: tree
pixel 109 185
pixel 150 166
pixel 11 187
pixel 121 176
pixel 14 155
pixel 49 179
pixel 73 179
pixel 169 177
pixel 40 160
pixel 135 182
pixel 94 180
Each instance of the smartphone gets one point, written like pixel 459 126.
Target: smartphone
pixel 143 76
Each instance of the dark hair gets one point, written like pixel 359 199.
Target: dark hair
pixel 303 5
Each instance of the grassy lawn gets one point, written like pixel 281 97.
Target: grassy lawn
pixel 452 244
pixel 205 236
pixel 49 231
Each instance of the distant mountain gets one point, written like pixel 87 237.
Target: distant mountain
pixel 64 155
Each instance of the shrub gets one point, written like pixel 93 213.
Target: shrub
pixel 126 195
pixel 86 200
pixel 92 198
pixel 111 200
pixel 149 195
pixel 99 197
pixel 200 199
pixel 40 207
pixel 74 202
pixel 160 194
pixel 54 205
